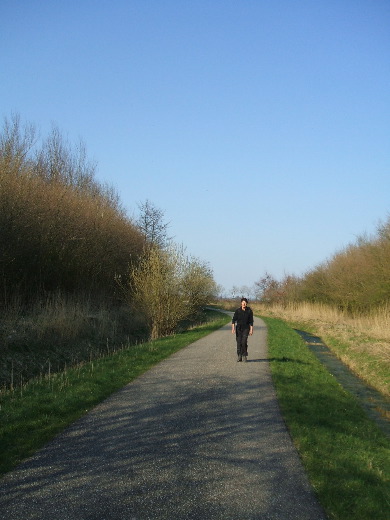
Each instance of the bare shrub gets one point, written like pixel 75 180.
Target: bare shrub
pixel 169 287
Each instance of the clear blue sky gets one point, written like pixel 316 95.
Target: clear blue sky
pixel 261 128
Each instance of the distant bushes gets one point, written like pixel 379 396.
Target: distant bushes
pixel 356 279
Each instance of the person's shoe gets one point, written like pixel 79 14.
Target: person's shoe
pixel 244 358
pixel 239 358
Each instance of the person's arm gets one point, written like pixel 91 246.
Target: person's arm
pixel 234 319
pixel 251 324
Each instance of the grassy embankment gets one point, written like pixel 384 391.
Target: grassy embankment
pixel 32 414
pixel 362 341
pixel 344 453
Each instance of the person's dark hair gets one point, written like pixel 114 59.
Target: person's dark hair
pixel 244 299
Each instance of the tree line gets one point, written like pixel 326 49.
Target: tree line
pixel 65 236
pixel 60 230
pixel 355 279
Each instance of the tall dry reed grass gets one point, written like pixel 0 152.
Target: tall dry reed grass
pixel 374 323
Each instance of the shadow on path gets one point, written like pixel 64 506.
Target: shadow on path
pixel 277 360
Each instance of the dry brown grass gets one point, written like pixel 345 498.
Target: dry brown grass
pixel 60 332
pixel 375 324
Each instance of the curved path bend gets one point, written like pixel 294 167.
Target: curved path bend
pixel 199 436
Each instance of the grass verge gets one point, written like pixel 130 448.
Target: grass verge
pixel 33 414
pixel 361 342
pixel 346 456
pixel 364 357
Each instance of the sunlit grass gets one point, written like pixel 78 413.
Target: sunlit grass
pixel 345 455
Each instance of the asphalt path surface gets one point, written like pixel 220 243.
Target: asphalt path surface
pixel 199 436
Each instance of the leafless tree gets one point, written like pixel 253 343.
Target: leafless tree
pixel 152 225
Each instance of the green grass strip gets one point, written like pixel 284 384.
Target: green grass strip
pixel 346 456
pixel 34 414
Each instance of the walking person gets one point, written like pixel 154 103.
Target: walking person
pixel 242 325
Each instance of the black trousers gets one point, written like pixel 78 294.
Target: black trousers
pixel 242 334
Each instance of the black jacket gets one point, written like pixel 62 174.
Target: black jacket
pixel 244 319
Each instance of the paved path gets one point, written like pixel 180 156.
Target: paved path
pixel 199 436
